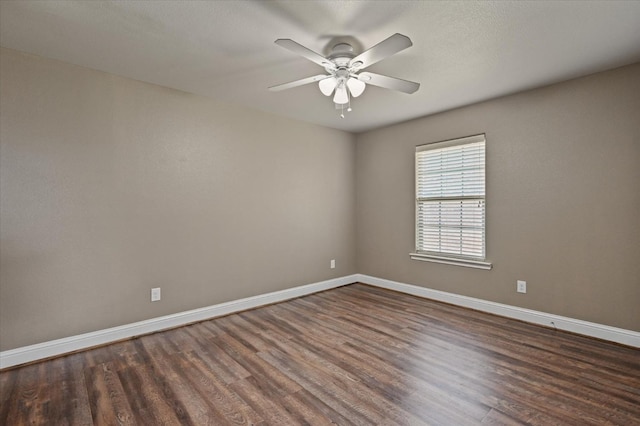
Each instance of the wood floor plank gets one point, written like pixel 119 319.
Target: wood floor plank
pixel 334 395
pixel 224 400
pixel 224 366
pixel 344 382
pixel 146 400
pixel 107 399
pixel 277 382
pixel 255 393
pixel 62 404
pixel 197 405
pixel 325 414
pixel 32 396
pixel 495 417
pixel 8 392
pixel 354 355
pixel 158 385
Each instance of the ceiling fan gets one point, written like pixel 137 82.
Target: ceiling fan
pixel 344 69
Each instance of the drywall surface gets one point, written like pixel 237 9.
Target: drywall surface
pixel 110 187
pixel 563 199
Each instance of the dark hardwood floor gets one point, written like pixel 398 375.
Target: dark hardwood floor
pixel 352 355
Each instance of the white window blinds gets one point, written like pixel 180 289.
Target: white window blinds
pixel 450 198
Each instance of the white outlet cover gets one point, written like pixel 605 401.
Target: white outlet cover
pixel 521 286
pixel 333 263
pixel 155 294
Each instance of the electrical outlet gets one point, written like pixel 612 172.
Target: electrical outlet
pixel 333 264
pixel 155 294
pixel 521 286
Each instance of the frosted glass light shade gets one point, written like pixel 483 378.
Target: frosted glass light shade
pixel 356 87
pixel 327 85
pixel 341 96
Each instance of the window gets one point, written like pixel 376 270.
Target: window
pixel 450 202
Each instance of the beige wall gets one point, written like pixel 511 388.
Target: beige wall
pixel 110 187
pixel 563 199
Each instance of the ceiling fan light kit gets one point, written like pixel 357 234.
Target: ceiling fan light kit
pixel 344 78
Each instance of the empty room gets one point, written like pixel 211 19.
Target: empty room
pixel 319 212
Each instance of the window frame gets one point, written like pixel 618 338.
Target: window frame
pixel 445 257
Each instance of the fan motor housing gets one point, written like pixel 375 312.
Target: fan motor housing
pixel 341 54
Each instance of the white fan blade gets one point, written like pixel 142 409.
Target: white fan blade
pixel 309 54
pixel 341 96
pixel 384 49
pixel 297 83
pixel 327 85
pixel 356 87
pixel 388 82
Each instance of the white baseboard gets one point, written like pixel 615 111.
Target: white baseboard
pixel 57 347
pixel 613 334
pixel 52 348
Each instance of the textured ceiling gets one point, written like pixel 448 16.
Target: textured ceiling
pixel 463 52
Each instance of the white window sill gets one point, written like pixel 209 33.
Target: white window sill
pixel 451 261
